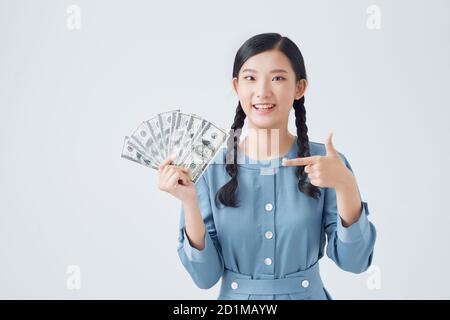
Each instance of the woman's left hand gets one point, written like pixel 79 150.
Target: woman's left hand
pixel 327 171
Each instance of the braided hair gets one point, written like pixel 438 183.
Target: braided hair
pixel 303 149
pixel 257 44
pixel 226 194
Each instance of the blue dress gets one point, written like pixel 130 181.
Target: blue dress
pixel 268 248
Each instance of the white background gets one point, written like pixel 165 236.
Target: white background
pixel 69 96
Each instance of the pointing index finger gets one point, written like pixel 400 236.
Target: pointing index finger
pixel 300 161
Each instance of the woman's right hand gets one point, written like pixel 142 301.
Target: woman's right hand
pixel 175 180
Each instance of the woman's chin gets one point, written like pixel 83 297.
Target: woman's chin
pixel 264 123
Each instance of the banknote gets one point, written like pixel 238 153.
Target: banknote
pixel 145 153
pixel 203 150
pixel 193 129
pixel 131 153
pixel 177 133
pixel 155 130
pixel 193 140
pixel 165 120
pixel 149 142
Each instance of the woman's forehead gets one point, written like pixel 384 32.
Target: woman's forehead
pixel 267 62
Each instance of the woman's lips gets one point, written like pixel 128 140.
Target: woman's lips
pixel 263 108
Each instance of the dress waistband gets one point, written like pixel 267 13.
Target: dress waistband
pixel 298 282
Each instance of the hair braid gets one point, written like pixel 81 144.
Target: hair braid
pixel 303 148
pixel 226 194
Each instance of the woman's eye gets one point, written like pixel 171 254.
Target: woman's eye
pixel 251 78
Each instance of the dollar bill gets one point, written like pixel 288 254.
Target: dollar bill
pixel 194 127
pixel 131 153
pixel 148 141
pixel 177 134
pixel 203 150
pixel 157 136
pixel 193 140
pixel 145 153
pixel 165 120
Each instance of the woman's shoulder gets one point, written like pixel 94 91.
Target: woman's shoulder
pixel 220 157
pixel 218 160
pixel 317 148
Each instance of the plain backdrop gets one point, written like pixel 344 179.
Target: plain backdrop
pixel 69 96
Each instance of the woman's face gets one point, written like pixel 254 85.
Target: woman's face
pixel 266 87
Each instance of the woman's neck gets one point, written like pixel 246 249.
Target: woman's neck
pixel 266 144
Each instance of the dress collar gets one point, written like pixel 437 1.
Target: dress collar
pixel 244 161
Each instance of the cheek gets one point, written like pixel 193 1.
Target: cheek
pixel 284 97
pixel 283 93
pixel 245 96
pixel 245 92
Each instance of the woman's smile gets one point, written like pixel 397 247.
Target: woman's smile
pixel 264 108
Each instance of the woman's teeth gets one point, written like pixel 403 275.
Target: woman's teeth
pixel 263 106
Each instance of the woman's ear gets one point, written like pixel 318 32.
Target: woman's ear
pixel 234 83
pixel 300 88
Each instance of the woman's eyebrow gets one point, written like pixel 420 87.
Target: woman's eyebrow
pixel 273 71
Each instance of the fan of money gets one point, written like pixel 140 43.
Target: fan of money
pixel 192 140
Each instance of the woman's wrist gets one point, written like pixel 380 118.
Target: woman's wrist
pixel 189 204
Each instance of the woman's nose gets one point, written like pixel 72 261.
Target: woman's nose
pixel 263 90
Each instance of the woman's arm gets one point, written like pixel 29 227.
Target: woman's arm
pixel 348 201
pixel 195 227
pixel 198 245
pixel 351 236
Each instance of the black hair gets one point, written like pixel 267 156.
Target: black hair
pixel 253 46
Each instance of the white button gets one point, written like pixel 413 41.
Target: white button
pixel 268 261
pixel 269 207
pixel 305 283
pixel 234 285
pixel 269 234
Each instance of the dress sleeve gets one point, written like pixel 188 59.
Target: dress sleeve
pixel 351 248
pixel 204 266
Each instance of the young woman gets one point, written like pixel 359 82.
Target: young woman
pixel 263 228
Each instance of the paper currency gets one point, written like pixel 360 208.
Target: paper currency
pixel 165 120
pixel 131 153
pixel 178 131
pixel 203 150
pixel 193 140
pixel 193 128
pixel 148 142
